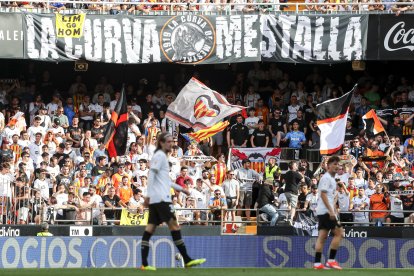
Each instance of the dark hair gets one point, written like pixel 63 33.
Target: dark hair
pixel 333 159
pixel 291 163
pixel 183 168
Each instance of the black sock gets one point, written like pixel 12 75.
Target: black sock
pixel 318 257
pixel 178 241
pixel 145 247
pixel 332 254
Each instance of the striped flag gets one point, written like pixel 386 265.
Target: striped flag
pixel 207 132
pixel 331 120
pixel 372 124
pixel 116 132
pixel 201 110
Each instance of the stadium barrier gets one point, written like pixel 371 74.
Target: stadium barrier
pixel 220 251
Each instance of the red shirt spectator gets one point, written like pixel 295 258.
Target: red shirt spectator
pixel 183 177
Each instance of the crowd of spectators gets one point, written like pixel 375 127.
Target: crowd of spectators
pixel 54 166
pixel 245 6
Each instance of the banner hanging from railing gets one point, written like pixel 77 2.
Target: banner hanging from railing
pixel 257 156
pixel 314 38
pixel 390 37
pixel 188 39
pixel 11 36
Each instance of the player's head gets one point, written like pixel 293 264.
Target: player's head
pixel 333 164
pixel 165 142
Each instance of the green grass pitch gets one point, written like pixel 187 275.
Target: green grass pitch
pixel 207 272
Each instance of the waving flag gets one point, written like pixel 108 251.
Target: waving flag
pixel 199 107
pixel 372 124
pixel 115 137
pixel 207 132
pixel 331 120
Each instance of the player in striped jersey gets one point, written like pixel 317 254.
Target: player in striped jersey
pixel 219 170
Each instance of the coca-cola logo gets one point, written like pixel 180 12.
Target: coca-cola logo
pixel 398 38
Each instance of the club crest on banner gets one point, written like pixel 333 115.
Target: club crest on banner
pixel 187 39
pixel 204 106
pixel 258 157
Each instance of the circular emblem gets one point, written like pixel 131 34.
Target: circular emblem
pixel 187 39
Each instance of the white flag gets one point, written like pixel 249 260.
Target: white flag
pixel 199 107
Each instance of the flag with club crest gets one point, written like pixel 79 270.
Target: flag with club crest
pixel 199 107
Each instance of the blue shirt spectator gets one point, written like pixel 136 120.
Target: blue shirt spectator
pixel 296 138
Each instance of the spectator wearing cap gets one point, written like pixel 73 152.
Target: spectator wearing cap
pixel 57 130
pixel 45 121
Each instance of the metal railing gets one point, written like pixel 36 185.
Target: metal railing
pixel 229 8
